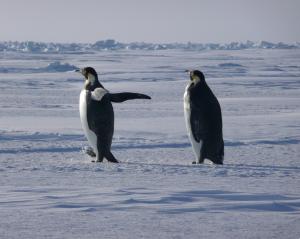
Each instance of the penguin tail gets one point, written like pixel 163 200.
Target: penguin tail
pixel 216 160
pixel 110 157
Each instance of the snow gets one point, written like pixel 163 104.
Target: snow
pixel 50 189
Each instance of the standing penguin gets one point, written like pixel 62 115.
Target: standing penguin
pixel 203 119
pixel 97 114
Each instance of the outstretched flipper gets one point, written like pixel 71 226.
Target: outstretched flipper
pixel 121 97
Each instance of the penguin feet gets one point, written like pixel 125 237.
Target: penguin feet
pixel 93 161
pixel 90 153
pixel 216 161
pixel 195 162
pixel 114 161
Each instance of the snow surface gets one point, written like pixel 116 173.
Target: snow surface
pixel 50 189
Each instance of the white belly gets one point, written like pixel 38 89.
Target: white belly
pixel 91 136
pixel 187 114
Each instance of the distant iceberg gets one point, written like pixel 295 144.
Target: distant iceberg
pixel 263 44
pixel 111 45
pixel 280 45
pixel 99 45
pixel 211 46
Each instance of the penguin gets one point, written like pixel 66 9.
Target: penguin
pixel 203 119
pixel 97 114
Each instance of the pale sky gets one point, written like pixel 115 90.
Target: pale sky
pixel 154 21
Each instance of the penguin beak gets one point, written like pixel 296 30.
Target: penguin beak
pixel 188 72
pixel 78 70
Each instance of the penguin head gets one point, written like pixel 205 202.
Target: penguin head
pixel 90 75
pixel 196 76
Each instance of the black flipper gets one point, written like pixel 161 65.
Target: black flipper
pixel 121 97
pixel 110 157
pixel 196 125
pixel 221 152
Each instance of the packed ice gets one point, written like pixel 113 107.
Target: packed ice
pixel 110 44
pixel 50 189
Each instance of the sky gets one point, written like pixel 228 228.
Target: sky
pixel 154 21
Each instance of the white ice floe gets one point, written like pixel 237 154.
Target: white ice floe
pixel 57 66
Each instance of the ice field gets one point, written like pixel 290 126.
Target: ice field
pixel 50 189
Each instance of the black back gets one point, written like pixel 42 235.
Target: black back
pixel 100 118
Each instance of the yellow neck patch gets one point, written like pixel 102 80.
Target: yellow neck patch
pixel 91 78
pixel 196 79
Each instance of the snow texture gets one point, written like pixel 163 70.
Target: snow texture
pixel 50 189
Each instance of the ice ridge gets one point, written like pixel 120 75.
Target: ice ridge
pixel 110 44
